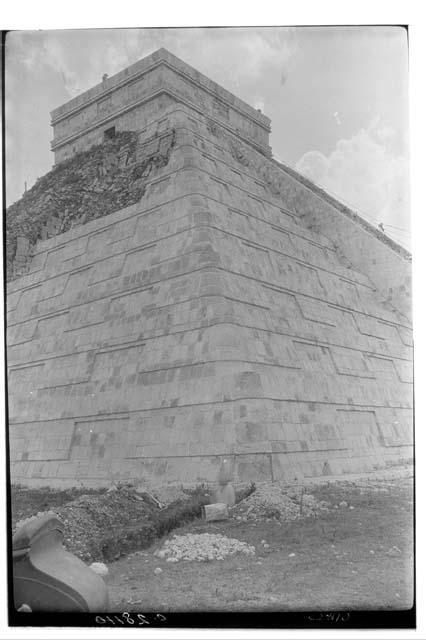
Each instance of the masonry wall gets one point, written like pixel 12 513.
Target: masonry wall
pixel 206 320
pixel 137 119
pixel 359 244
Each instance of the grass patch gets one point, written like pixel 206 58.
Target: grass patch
pixel 339 560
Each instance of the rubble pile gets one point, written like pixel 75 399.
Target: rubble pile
pixel 103 526
pixel 275 501
pixel 89 185
pixel 167 494
pixel 202 547
pixel 88 519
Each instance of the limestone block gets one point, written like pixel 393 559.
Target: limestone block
pixel 252 468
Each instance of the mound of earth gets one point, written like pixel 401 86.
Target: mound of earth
pixel 104 526
pixel 91 521
pixel 279 502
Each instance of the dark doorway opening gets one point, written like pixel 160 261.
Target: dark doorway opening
pixel 109 134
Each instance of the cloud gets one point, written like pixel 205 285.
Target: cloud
pixel 367 174
pixel 81 57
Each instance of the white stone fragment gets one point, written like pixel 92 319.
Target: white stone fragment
pixel 202 547
pixel 100 568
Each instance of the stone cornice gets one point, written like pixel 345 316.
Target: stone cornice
pixel 139 69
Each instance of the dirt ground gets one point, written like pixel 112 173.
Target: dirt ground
pixel 344 559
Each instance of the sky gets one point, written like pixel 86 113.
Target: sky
pixel 337 98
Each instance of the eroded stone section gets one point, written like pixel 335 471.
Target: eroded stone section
pixel 91 184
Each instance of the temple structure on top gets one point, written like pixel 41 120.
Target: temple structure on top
pixel 129 100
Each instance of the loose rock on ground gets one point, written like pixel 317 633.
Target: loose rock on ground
pixel 202 547
pixel 279 502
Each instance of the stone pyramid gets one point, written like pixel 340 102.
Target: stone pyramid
pixel 234 310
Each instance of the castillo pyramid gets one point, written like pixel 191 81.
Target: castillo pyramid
pixel 233 310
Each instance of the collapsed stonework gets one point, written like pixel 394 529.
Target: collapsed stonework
pixel 91 184
pixel 232 309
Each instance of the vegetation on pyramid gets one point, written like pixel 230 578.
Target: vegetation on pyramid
pixel 89 185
